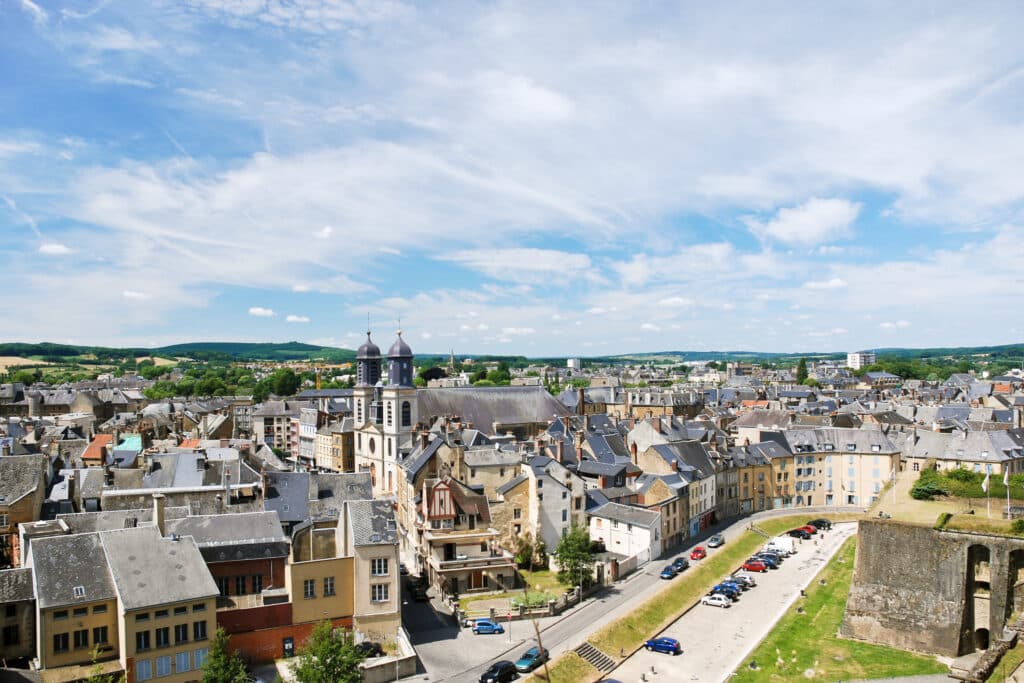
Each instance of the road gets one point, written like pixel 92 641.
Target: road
pixel 717 641
pixel 448 653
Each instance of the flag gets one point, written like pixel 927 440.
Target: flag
pixel 984 484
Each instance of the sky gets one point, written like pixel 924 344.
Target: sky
pixel 513 178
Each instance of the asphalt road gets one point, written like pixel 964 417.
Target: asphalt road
pixel 716 641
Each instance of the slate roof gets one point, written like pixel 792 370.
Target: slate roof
pixel 16 585
pixel 150 570
pixel 489 457
pixel 420 457
pixel 468 500
pixel 983 446
pixel 486 406
pixel 627 514
pixel 109 520
pixel 372 522
pixel 332 490
pixel 287 494
pixel 768 419
pixel 798 441
pixel 511 484
pixel 234 537
pixel 60 563
pixel 20 475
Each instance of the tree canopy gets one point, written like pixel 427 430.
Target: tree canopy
pixel 574 558
pixel 223 666
pixel 329 656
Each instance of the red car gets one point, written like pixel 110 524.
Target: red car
pixel 755 566
pixel 698 553
pixel 809 529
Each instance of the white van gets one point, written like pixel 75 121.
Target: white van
pixel 782 544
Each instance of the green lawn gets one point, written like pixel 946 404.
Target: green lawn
pixel 1008 664
pixel 542 580
pixel 805 646
pixel 569 668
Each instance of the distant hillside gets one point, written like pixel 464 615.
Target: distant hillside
pixel 250 351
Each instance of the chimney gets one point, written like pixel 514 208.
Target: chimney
pixel 560 450
pixel 579 401
pixel 6 449
pixel 586 423
pixel 538 445
pixel 656 423
pixel 424 439
pixel 1018 417
pixel 632 450
pixel 159 505
pixel 565 421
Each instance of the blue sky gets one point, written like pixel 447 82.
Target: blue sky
pixel 513 177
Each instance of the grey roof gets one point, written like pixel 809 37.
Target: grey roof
pixel 511 484
pixel 109 520
pixel 487 406
pixel 16 585
pixel 234 537
pixel 60 563
pixel 490 456
pixel 20 475
pixel 150 570
pixel 420 457
pixel 601 469
pixel 372 522
pixel 768 419
pixel 835 439
pixel 627 514
pixel 981 446
pixel 333 490
pixel 287 494
pixel 687 456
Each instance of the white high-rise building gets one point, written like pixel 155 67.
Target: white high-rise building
pixel 860 359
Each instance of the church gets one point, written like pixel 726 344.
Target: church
pixel 385 412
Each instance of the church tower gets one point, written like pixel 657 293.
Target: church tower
pixel 367 377
pixel 366 410
pixel 400 413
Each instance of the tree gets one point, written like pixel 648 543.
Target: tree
pixel 574 558
pixel 221 665
pixel 330 656
pixel 801 371
pixel 286 382
pixel 97 675
pixel 26 377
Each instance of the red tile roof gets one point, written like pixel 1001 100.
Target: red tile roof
pixel 95 450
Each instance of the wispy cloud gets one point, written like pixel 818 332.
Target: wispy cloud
pixel 260 312
pixel 54 249
pixel 833 283
pixel 814 221
pixel 297 319
pixel 37 13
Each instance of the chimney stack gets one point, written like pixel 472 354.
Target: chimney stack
pixel 560 450
pixel 424 439
pixel 579 401
pixel 159 505
pixel 656 423
pixel 6 449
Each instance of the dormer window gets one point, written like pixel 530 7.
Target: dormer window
pixel 851 447
pixel 875 448
pixel 78 591
pixel 830 447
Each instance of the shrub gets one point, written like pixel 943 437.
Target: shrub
pixel 944 519
pixel 962 475
pixel 1017 526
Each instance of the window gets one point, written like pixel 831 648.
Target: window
pixel 565 515
pixel 11 635
pixel 163 637
pixel 60 642
pixel 142 616
pixel 60 615
pixel 81 611
pixel 99 635
pixel 540 483
pixel 180 633
pixel 540 496
pixel 615 524
pixel 239 585
pixel 143 669
pixel 379 592
pixel 141 641
pixel 163 665
pixel 517 513
pixel 328 585
pixel 11 611
pixel 180 610
pixel 4 520
pixel 81 638
pixel 78 591
pixel 850 473
pixel 406 414
pixel 200 656
pixel 379 566
pixel 472 473
pixel 199 607
pixel 257 583
pixel 182 662
pixel 309 589
pixel 917 467
pixel 851 447
pixel 161 614
pixel 198 630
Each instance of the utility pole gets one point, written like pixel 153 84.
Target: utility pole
pixel 540 648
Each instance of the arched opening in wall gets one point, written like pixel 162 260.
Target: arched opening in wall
pixel 406 414
pixel 981 639
pixel 977 596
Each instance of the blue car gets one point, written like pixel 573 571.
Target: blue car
pixel 680 563
pixel 770 561
pixel 487 626
pixel 726 590
pixel 669 572
pixel 531 659
pixel 735 585
pixel 669 646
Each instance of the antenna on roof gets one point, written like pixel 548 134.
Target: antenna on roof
pixel 367 323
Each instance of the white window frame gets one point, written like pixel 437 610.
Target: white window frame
pixel 165 664
pixel 379 592
pixel 379 566
pixel 143 669
pixel 180 657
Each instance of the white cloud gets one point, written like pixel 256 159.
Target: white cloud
pixel 294 318
pixel 814 221
pixel 134 295
pixel 676 301
pixel 324 232
pixel 651 327
pixel 390 251
pixel 54 249
pixel 517 331
pixel 899 324
pixel 833 283
pixel 521 265
pixel 37 13
pixel 426 335
pixel 300 288
pixel 118 39
pixel 260 312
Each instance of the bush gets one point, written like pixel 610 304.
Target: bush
pixel 928 486
pixel 962 475
pixel 944 519
pixel 1017 526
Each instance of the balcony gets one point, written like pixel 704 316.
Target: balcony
pixel 471 562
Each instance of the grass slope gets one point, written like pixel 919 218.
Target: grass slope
pixel 805 646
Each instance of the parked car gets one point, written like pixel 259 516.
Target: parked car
pixel 716 600
pixel 772 554
pixel 772 562
pixel 698 553
pixel 370 649
pixel 667 645
pixel 716 541
pixel 820 523
pixel 669 572
pixel 798 533
pixel 753 565
pixel 810 529
pixel 500 672
pixel 729 591
pixel 531 659
pixel 745 578
pixel 681 563
pixel 738 585
pixel 487 626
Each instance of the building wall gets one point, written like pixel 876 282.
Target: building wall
pixel 20 618
pixel 503 515
pixel 195 611
pixel 342 452
pixel 321 606
pixel 51 623
pixel 271 569
pixel 377 617
pixel 625 539
pixel 267 644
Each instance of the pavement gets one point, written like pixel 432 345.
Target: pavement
pixel 450 653
pixel 717 641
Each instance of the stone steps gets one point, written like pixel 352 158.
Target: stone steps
pixel 595 657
